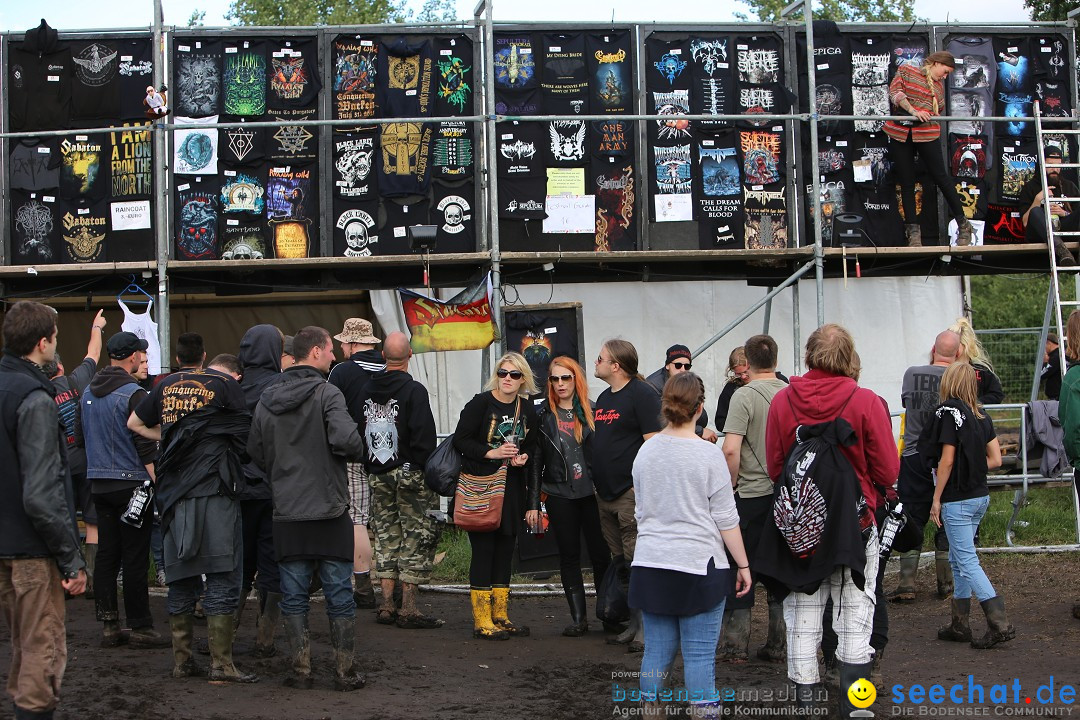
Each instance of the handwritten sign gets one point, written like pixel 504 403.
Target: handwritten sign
pixel 570 214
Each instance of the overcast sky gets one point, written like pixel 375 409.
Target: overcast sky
pixel 75 14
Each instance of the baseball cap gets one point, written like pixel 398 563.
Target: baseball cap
pixel 123 345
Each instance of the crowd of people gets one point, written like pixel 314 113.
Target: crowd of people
pixel 268 469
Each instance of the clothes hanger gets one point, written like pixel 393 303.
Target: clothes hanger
pixel 135 289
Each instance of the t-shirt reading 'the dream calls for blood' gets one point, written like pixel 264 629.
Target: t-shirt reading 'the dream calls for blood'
pixel 622 419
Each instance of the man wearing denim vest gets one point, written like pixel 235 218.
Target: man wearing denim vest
pixel 117 463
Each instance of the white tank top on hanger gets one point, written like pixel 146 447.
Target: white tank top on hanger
pixel 143 326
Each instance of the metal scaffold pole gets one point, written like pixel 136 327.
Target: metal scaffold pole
pixel 161 207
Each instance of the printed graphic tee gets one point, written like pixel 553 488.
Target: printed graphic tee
pixel 198 78
pixel 95 92
pixel 35 228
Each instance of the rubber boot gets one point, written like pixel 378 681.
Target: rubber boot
pixel 875 673
pixel 999 629
pixel 944 574
pixel 111 634
pixel 500 599
pixel 775 647
pixel 296 632
pixel 964 231
pixel 222 628
pixel 913 233
pixel 909 571
pixel 808 697
pixel 959 629
pixel 579 624
pixel 266 625
pixel 849 674
pixel 343 638
pixel 90 554
pixel 735 637
pixel 183 631
pixel 364 591
pixel 831 675
pixel 483 627
pixel 633 627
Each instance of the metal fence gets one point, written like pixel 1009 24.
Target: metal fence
pixel 1014 353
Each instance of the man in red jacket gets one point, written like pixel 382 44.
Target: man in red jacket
pixel 827 391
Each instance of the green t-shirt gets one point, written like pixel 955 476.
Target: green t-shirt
pixel 746 416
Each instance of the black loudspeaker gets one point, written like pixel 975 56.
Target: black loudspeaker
pixel 848 231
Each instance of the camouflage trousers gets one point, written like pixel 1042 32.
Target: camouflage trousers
pixel 405 535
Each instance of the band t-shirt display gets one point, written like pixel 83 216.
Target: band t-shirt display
pixel 35 164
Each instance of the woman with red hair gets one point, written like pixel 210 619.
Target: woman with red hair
pixel 563 473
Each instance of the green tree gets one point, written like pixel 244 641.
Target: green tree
pixel 1013 301
pixel 197 19
pixel 437 11
pixel 841 10
pixel 316 12
pixel 1050 9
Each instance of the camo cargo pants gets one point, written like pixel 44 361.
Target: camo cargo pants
pixel 405 535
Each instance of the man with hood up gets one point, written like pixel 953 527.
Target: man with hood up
pixel 399 432
pixel 261 352
pixel 301 436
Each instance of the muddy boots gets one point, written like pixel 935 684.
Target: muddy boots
pixel 483 627
pixel 90 553
pixel 632 636
pixel 850 674
pixel 964 232
pixel 343 638
pixel 579 623
pixel 944 574
pixel 1064 257
pixel 959 628
pixel 735 636
pixel 909 570
pixel 296 632
pixel 364 591
pixel 500 598
pixel 913 234
pixel 775 647
pixel 182 633
pixel 222 670
pixel 266 625
pixel 999 629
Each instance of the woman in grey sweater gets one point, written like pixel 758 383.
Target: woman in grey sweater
pixel 686 518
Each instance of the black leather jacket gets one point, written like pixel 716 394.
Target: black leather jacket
pixel 551 468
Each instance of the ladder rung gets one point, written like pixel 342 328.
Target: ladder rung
pixel 1055 198
pixel 1068 268
pixel 1062 131
pixel 1068 165
pixel 1066 233
pixel 1069 302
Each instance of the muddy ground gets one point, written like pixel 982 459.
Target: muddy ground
pixel 448 675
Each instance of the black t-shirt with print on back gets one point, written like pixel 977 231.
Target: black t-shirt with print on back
pixel 974 487
pixel 622 419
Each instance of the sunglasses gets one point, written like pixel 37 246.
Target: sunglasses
pixel 514 374
pixel 681 366
pixel 560 378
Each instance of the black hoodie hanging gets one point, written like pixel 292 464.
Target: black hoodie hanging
pixel 40 72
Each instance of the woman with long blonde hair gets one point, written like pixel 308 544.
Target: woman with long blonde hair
pixel 562 471
pixel 971 350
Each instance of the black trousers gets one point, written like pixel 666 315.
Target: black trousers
pixel 257 519
pixel 492 556
pixel 1035 231
pixel 916 489
pixel 902 155
pixel 753 514
pixel 569 520
pixel 122 546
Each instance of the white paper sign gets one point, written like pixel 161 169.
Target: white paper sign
pixel 131 215
pixel 570 214
pixel 674 208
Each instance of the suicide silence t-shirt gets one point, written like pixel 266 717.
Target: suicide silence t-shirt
pixel 515 62
pixel 452 151
pixel 616 195
pixel 396 215
pixel 243 191
pixel 765 224
pixel 35 163
pixel 759 59
pixel 35 228
pixel 667 63
pixel 84 166
pixel 242 145
pixel 136 71
pixel 198 78
pixel 567 143
pixel 564 77
pixel 95 92
pixel 522 198
pixel 404 159
pixel 1053 97
pixel 453 212
pixel 198 206
pixel 356 228
pixel 519 149
pixel 968 156
pixel 245 236
pixel 1004 224
pixel 762 156
pixel 131 167
pixel 1050 55
pixel 406 71
pixel 622 420
pixel 609 58
pixel 84 227
pixel 354 165
pixel 355 72
pixel 292 72
pixel 293 143
pixel 612 138
pixel 712 81
pixel 454 76
pixel 244 78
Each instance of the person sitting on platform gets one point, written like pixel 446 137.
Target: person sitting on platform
pixel 1062 215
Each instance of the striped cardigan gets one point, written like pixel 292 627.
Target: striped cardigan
pixel 911 80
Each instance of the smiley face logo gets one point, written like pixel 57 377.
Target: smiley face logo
pixel 862 693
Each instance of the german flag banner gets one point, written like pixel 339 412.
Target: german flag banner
pixel 464 322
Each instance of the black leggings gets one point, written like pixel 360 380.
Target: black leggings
pixel 492 556
pixel 569 519
pixel 902 155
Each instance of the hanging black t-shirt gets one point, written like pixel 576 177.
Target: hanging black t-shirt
pixel 39 88
pixel 406 74
pixel 197 203
pixel 871 59
pixel 404 159
pixel 880 210
pixel 245 237
pixel 672 170
pixel 713 83
pixel 293 143
pixel 972 104
pixel 1053 97
pixel 772 99
pixel 522 197
pixel 976 64
pixel 84 230
pixel 564 78
pixel 968 155
pixel 519 149
pixel 243 79
pixel 612 138
pixel 720 223
pixel 518 102
pixel 243 145
pixel 35 163
pixel 355 229
pixel 835 198
pixel 84 166
pixel 95 92
pixel 762 154
pixel 765 216
pixel 243 191
pixel 1013 64
pixel 622 419
pixel 567 143
pixel 907 48
pixel 355 71
pixel 131 233
pixel 354 165
pixel 973 195
pixel 292 210
pixel 515 62
pixel 616 214
pixel 834 155
pixel 135 73
pixel 452 150
pixel 675 103
pixel 1004 224
pixel 35 228
pixel 197 74
pixel 759 59
pixel 872 149
pixel 452 211
pixel 1018 165
pixel 718 171
pixel 396 215
pixel 454 76
pixel 292 72
pixel 131 166
pixel 1050 55
pixel 667 62
pixel 609 58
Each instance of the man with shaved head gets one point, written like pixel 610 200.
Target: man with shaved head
pixel 395 420
pixel 919 395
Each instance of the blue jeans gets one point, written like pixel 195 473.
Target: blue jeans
pixel 221 598
pixel 961 520
pixel 696 636
pixel 336 576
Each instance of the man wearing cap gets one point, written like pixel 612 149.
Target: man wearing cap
pixel 117 463
pixel 358 343
pixel 678 361
pixel 1062 215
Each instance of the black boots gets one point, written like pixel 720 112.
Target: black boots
pixel 267 623
pixel 343 638
pixel 999 629
pixel 775 647
pixel 579 625
pixel 959 629
pixel 944 574
pixel 735 636
pixel 296 632
pixel 849 674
